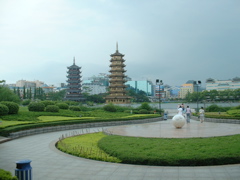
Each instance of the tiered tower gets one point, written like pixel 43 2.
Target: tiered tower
pixel 74 83
pixel 117 92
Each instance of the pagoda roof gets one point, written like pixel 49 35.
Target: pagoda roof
pixel 74 65
pixel 117 53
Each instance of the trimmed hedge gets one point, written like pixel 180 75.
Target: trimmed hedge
pixel 26 102
pixel 143 111
pixel 52 108
pixel 110 108
pixel 62 105
pixel 12 106
pixel 6 131
pixel 6 175
pixel 3 110
pixel 75 108
pixel 47 102
pixel 36 106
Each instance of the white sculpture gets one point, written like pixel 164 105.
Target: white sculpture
pixel 178 121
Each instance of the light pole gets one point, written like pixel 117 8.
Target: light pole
pixel 159 83
pixel 197 83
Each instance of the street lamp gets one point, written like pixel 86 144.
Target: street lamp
pixel 197 84
pixel 159 83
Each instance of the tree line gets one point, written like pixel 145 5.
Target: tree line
pixel 214 95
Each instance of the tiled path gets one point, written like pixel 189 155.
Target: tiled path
pixel 50 164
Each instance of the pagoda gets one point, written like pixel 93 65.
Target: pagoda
pixel 117 92
pixel 74 92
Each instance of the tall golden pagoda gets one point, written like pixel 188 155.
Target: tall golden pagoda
pixel 117 92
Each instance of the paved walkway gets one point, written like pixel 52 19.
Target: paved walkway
pixel 50 164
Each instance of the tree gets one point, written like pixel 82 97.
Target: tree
pixel 24 92
pixel 139 96
pixel 56 96
pixel 7 95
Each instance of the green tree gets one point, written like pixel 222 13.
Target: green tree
pixel 7 95
pixel 57 96
pixel 24 92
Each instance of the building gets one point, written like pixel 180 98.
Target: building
pixel 117 87
pixel 146 86
pixel 28 84
pixel 74 92
pixel 92 89
pixel 185 89
pixel 220 85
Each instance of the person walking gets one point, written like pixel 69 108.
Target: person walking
pixel 201 114
pixel 188 113
pixel 180 110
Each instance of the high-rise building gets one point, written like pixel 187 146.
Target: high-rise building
pixel 117 87
pixel 146 86
pixel 74 83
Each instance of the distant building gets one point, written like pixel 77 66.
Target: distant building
pixel 220 85
pixel 185 89
pixel 92 89
pixel 74 92
pixel 28 84
pixel 117 88
pixel 146 86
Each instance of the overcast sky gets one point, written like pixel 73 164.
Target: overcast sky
pixel 171 40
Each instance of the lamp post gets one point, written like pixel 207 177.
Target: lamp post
pixel 197 84
pixel 159 83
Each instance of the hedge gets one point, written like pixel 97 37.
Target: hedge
pixel 52 108
pixel 62 105
pixel 6 175
pixel 75 108
pixel 12 106
pixel 36 106
pixel 3 110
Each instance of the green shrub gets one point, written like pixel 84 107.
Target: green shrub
pixel 234 112
pixel 26 102
pixel 143 111
pixel 62 105
pixel 36 106
pixel 6 175
pixel 121 108
pixel 47 102
pixel 52 108
pixel 3 110
pixel 73 103
pixel 135 112
pixel 110 108
pixel 90 103
pixel 12 106
pixel 128 111
pixel 75 108
pixel 145 106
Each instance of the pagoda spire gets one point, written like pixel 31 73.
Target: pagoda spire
pixel 74 60
pixel 117 47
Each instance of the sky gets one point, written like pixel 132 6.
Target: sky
pixel 171 40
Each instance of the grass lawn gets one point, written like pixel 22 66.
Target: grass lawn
pixel 25 116
pixel 159 151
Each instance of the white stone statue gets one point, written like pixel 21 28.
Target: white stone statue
pixel 178 121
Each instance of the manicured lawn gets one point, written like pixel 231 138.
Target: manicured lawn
pixel 161 151
pixel 86 146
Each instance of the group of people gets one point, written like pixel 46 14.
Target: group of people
pixel 187 112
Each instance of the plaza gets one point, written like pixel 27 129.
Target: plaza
pixel 49 163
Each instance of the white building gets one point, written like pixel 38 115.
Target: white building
pixel 92 89
pixel 220 85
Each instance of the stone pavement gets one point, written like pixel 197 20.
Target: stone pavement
pixel 50 164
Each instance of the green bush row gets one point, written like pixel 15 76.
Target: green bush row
pixel 6 175
pixel 7 107
pixel 173 152
pixel 14 128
